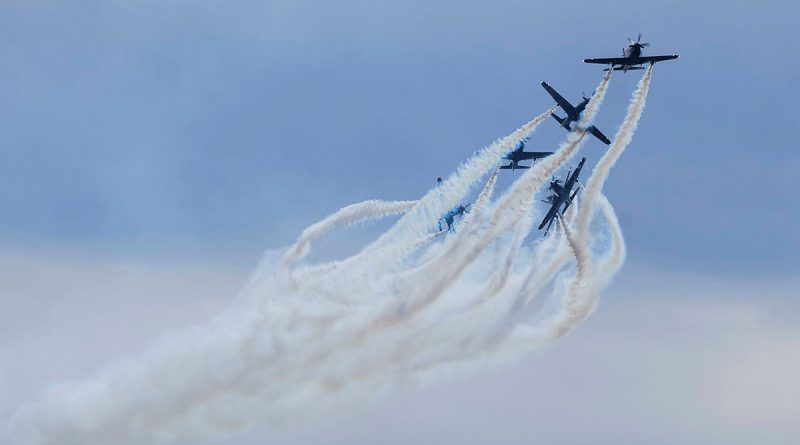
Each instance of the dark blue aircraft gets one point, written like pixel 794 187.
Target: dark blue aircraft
pixel 632 58
pixel 561 195
pixel 519 154
pixel 573 113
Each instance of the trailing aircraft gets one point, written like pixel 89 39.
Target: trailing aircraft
pixel 519 154
pixel 561 195
pixel 573 113
pixel 450 217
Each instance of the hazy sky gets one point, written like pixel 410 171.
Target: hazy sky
pixel 220 129
pixel 199 134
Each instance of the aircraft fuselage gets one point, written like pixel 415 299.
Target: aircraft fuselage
pixel 633 51
pixel 558 193
pixel 576 115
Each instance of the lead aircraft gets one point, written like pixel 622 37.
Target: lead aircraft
pixel 632 57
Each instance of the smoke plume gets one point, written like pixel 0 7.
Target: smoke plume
pixel 312 338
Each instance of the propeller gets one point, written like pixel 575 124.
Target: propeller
pixel 638 42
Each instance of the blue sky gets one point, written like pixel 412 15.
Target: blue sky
pixel 200 128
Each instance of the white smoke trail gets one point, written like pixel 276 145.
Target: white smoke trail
pixel 518 200
pixel 623 137
pixel 346 215
pixel 457 261
pixel 581 298
pixel 343 331
pixel 396 244
pixel 541 276
pixel 359 212
pixel 610 264
pixel 573 307
pixel 455 187
pixel 398 241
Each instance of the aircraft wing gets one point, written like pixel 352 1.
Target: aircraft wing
pixel 599 135
pixel 563 103
pixel 610 60
pixel 630 60
pixel 574 176
pixel 654 59
pixel 525 155
pixel 571 198
pixel 550 215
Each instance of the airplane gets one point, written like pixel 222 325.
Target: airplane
pixel 632 58
pixel 451 214
pixel 573 113
pixel 560 195
pixel 519 154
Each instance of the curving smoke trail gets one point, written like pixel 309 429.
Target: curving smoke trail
pixel 611 263
pixel 412 305
pixel 365 210
pixel 354 213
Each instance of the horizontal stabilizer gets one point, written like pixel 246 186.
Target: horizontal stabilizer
pixel 511 167
pixel 525 155
pixel 599 135
pixel 622 68
pixel 561 120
